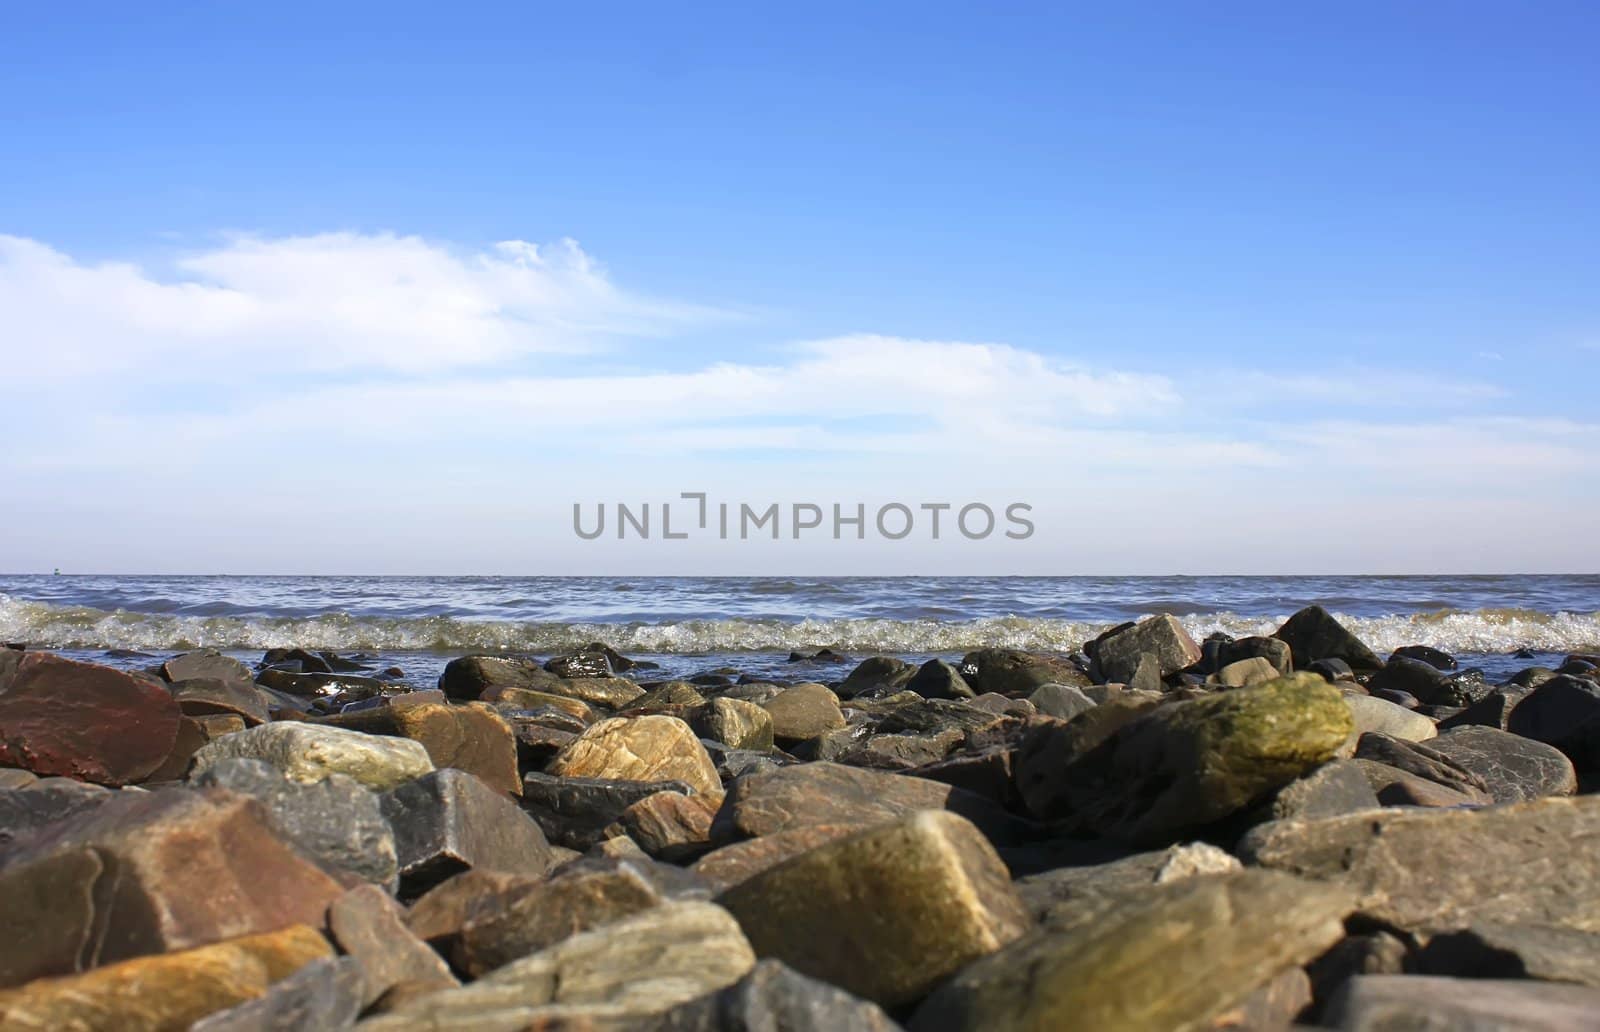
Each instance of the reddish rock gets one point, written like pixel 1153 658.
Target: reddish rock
pixel 84 721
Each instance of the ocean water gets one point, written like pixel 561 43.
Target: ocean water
pixel 691 624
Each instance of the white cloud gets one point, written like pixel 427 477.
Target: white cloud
pixel 330 302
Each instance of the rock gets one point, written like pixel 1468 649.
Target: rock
pixel 310 662
pixel 163 992
pixel 651 748
pixel 610 692
pixel 537 916
pixel 1424 762
pixel 642 965
pixel 1055 893
pixel 370 926
pixel 182 868
pixel 1563 712
pixel 42 804
pixel 1118 652
pixel 1513 768
pixel 1271 1006
pixel 1433 657
pixel 1061 701
pixel 736 724
pixel 1380 1003
pixel 669 825
pixel 438 916
pixel 1273 650
pixel 48 909
pixel 580 664
pixel 308 753
pixel 937 679
pixel 1371 953
pixel 205 664
pixel 325 995
pixel 1313 634
pixel 1332 790
pixel 670 697
pixel 449 820
pixel 1004 707
pixel 335 821
pixel 804 711
pixel 901 752
pixel 1395 721
pixel 1396 787
pixel 522 699
pixel 1493 710
pixel 1421 681
pixel 579 812
pixel 1441 870
pixel 775 998
pixel 1334 671
pixel 984 772
pixel 1188 764
pixel 877 674
pixel 1169 957
pixel 887 913
pixel 832 794
pixel 78 720
pixel 471 677
pixel 207 696
pixel 345 687
pixel 472 737
pixel 1487 950
pixel 1013 673
pixel 1242 672
pixel 733 864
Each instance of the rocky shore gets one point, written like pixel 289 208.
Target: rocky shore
pixel 1152 833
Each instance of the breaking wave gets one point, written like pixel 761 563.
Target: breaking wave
pixel 79 627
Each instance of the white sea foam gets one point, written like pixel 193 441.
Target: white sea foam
pixel 1479 631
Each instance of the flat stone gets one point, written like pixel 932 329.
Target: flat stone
pixel 449 820
pixel 1396 787
pixel 1117 654
pixel 1423 761
pixel 324 995
pixel 1423 870
pixel 579 812
pixel 733 864
pixel 670 696
pixel 885 914
pixel 335 821
pixel 207 696
pixel 636 967
pixel 804 711
pixel 183 868
pixel 163 992
pixel 78 720
pixel 669 825
pixel 651 748
pixel 902 752
pixel 472 737
pixel 1374 714
pixel 1383 1003
pixel 524 700
pixel 1513 768
pixel 370 926
pixel 1012 672
pixel 1313 634
pixel 1166 957
pixel 205 664
pixel 775 998
pixel 310 752
pixel 736 724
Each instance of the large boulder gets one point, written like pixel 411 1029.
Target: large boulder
pixel 1118 653
pixel 449 820
pixel 84 721
pixel 1428 870
pixel 887 913
pixel 1188 764
pixel 1314 634
pixel 649 748
pixel 1165 957
pixel 1513 769
pixel 150 994
pixel 309 752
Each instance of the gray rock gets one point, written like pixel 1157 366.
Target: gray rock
pixel 335 820
pixel 1011 672
pixel 1423 761
pixel 449 821
pixel 1242 672
pixel 1396 1003
pixel 205 664
pixel 775 998
pixel 1373 714
pixel 576 812
pixel 42 804
pixel 1314 634
pixel 1513 768
pixel 1273 650
pixel 937 679
pixel 1563 712
pixel 370 926
pixel 1062 701
pixel 469 677
pixel 324 994
pixel 1486 950
pixel 1117 654
pixel 204 696
pixel 1332 790
pixel 1421 680
pixel 876 674
pixel 1063 889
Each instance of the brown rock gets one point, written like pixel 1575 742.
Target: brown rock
pixel 470 737
pixel 438 916
pixel 191 738
pixel 207 696
pixel 733 864
pixel 649 748
pixel 526 699
pixel 804 711
pixel 369 925
pixel 735 723
pixel 170 992
pixel 85 721
pixel 47 908
pixel 670 825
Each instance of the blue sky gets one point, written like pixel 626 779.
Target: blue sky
pixel 1217 288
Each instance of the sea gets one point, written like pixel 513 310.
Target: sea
pixel 695 624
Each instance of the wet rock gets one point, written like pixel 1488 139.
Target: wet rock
pixel 346 687
pixel 1422 681
pixel 1372 714
pixel 525 700
pixel 887 913
pixel 1061 701
pixel 937 679
pixel 669 825
pixel 1563 712
pixel 1243 672
pixel 1379 1003
pixel 832 794
pixel 733 864
pixel 370 926
pixel 1173 956
pixel 1117 653
pixel 580 664
pixel 205 664
pixel 164 992
pixel 208 696
pixel 775 998
pixel 1273 650
pixel 579 812
pixel 1313 634
pixel 1488 950
pixel 1512 768
pixel 610 692
pixel 642 965
pixel 1187 764
pixel 736 724
pixel 1334 671
pixel 1493 710
pixel 471 677
pixel 449 820
pixel 335 821
pixel 804 711
pixel 536 916
pixel 1332 790
pixel 472 737
pixel 651 748
pixel 78 720
pixel 1441 870
pixel 325 995
pixel 308 753
pixel 185 868
pixel 309 662
pixel 819 656
pixel 1423 761
pixel 877 675
pixel 670 697
pixel 1435 658
pixel 1011 672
